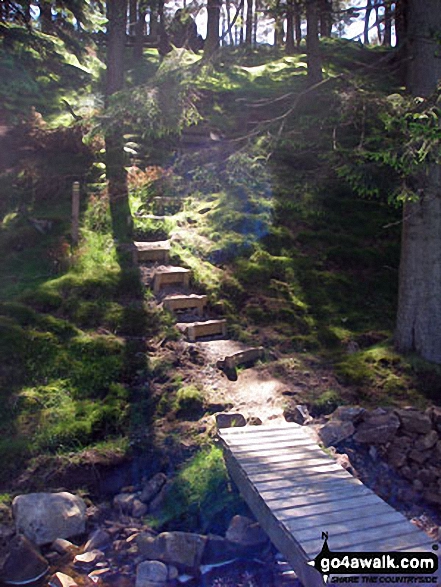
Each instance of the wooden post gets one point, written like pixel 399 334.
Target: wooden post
pixel 75 212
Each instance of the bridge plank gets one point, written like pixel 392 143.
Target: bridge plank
pixel 297 491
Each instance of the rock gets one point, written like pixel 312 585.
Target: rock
pixel 419 457
pixel 151 574
pixel 218 550
pixel 426 476
pixel 44 517
pixel 298 414
pixel 254 421
pixel 157 502
pixel 173 573
pixel 427 441
pixel 230 420
pixel 436 417
pixel 182 549
pixel 397 454
pixel 352 413
pixel 379 427
pixel 417 485
pixel 432 497
pixel 100 574
pixel 62 580
pixel 62 546
pixel 124 502
pixel 413 420
pixel 88 560
pixel 335 431
pixel 153 487
pixel 98 539
pixel 245 532
pixel 24 563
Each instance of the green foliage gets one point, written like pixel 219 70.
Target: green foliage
pixel 201 498
pixel 326 403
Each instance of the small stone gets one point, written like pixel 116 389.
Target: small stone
pixel 335 431
pixel 173 573
pixel 99 573
pixel 298 414
pixel 151 574
pixel 432 497
pixel 417 485
pixel 153 487
pixel 139 508
pixel 427 441
pixel 124 502
pixel 254 421
pixel 62 580
pixel 88 560
pixel 419 456
pixel 426 476
pixel 62 546
pixel 98 539
pixel 230 420
pixel 407 473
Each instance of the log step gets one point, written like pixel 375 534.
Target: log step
pixel 183 302
pixel 164 276
pixel 152 251
pixel 194 330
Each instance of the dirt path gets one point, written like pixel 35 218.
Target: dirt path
pixel 255 394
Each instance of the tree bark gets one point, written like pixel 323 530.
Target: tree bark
pixel 387 36
pixel 289 46
pixel 312 43
pixel 367 16
pixel 298 23
pixel 46 16
pixel 418 327
pixel 326 18
pixel 133 16
pixel 213 21
pixel 115 170
pixel 249 23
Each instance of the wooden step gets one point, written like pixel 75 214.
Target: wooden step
pixel 157 251
pixel 183 302
pixel 164 276
pixel 241 358
pixel 194 330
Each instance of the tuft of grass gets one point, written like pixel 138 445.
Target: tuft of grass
pixel 189 402
pixel 201 497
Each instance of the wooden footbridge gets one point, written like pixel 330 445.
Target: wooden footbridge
pixel 297 492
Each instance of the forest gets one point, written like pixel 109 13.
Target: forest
pixel 210 212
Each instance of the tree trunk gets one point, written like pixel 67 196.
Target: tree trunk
pixel 229 25
pixel 133 19
pixel 213 21
pixel 367 16
pixel 325 18
pixel 418 326
pixel 138 47
pixel 46 16
pixel 312 43
pixel 387 37
pixel 249 23
pixel 290 47
pixel 298 23
pixel 378 23
pixel 115 171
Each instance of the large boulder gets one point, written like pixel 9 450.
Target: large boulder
pixel 44 517
pixel 378 427
pixel 24 563
pixel 413 420
pixel 243 531
pixel 335 431
pixel 182 549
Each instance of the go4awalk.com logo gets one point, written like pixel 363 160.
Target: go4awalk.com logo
pixel 407 568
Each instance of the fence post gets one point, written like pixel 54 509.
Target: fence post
pixel 75 212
